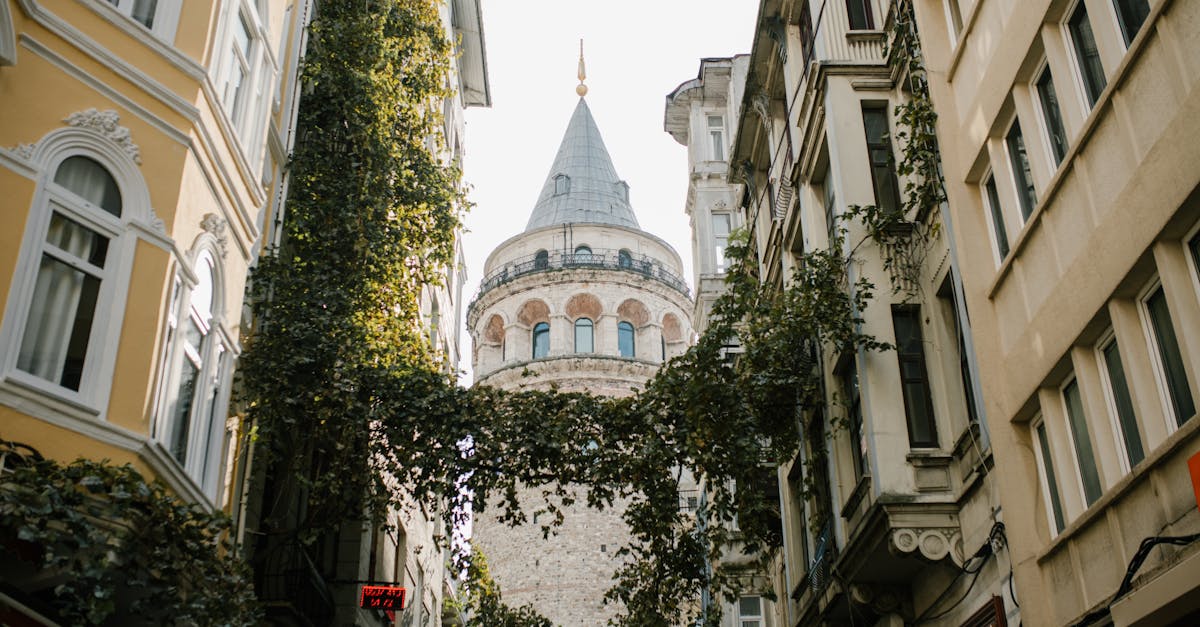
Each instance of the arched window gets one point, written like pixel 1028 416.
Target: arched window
pixel 562 184
pixel 197 383
pixel 624 258
pixel 584 336
pixel 541 340
pixel 541 260
pixel 74 273
pixel 583 254
pixel 625 339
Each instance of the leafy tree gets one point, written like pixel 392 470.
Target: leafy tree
pixel 126 551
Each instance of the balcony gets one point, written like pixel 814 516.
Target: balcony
pixel 598 259
pixel 292 589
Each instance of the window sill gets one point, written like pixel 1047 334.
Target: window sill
pixel 1138 476
pixel 864 35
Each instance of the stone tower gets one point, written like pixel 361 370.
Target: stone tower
pixel 584 300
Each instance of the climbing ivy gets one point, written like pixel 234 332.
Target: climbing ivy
pixel 124 551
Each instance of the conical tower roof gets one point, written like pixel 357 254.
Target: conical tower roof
pixel 591 192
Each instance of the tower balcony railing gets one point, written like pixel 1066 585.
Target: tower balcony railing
pixel 597 259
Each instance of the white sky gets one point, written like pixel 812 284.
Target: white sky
pixel 636 51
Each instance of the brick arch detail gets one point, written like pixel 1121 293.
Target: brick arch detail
pixel 533 311
pixel 633 311
pixel 672 329
pixel 493 331
pixel 584 306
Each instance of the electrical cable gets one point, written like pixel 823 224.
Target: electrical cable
pixel 1135 564
pixel 985 552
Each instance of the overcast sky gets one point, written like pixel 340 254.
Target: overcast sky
pixel 637 51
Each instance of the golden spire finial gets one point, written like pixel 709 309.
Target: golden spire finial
pixel 581 89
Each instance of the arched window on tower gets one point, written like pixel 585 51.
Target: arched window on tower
pixel 584 335
pixel 541 340
pixel 541 260
pixel 625 339
pixel 583 254
pixel 625 258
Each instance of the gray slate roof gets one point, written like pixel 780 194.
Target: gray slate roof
pixel 596 194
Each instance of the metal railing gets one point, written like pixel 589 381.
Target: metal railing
pixel 291 584
pixel 822 559
pixel 599 259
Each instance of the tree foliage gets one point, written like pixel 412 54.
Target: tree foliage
pixel 125 551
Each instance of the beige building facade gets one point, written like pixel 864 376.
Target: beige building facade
pixel 889 512
pixel 1069 138
pixel 583 301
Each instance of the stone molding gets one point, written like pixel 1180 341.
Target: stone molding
pixel 930 543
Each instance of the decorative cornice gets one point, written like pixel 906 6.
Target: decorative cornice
pixel 106 124
pixel 931 543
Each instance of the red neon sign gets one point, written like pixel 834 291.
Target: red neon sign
pixel 382 597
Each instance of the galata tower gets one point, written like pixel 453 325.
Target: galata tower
pixel 583 300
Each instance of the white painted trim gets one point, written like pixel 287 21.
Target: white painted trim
pixel 988 211
pixel 1043 474
pixel 96 382
pixel 1110 401
pixel 1064 28
pixel 166 22
pixel 1070 429
pixel 1151 339
pixel 112 94
pixel 1038 113
pixel 8 37
pixel 62 28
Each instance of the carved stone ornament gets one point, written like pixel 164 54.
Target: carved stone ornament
pixel 106 123
pixel 215 225
pixel 721 204
pixel 762 107
pixel 25 151
pixel 932 544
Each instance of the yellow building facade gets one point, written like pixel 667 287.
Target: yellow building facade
pixel 141 153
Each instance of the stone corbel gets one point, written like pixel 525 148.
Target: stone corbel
pixel 930 543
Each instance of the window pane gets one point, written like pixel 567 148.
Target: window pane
pixel 181 411
pixel 1083 443
pixel 583 335
pixel 1124 404
pixel 1131 14
pixel 241 36
pixel 718 144
pixel 918 402
pixel 78 240
pixel 750 607
pixel 59 324
pixel 625 339
pixel 860 14
pixel 541 260
pixel 1087 54
pixel 143 11
pixel 1023 178
pixel 879 150
pixel 1051 480
pixel 720 224
pixel 1054 124
pixel 541 340
pixel 997 218
pixel 1172 360
pixel 91 182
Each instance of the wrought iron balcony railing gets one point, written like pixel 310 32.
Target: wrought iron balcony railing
pixel 599 259
pixel 291 585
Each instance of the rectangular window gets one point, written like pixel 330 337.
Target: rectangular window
pixel 993 201
pixel 1122 403
pixel 750 613
pixel 860 14
pixel 852 397
pixel 918 401
pixel 1087 55
pixel 1049 479
pixel 830 207
pixel 142 11
pixel 1053 115
pixel 716 135
pixel 879 152
pixel 1088 474
pixel 961 330
pixel 1171 359
pixel 1131 14
pixel 1022 177
pixel 721 224
pixel 954 18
